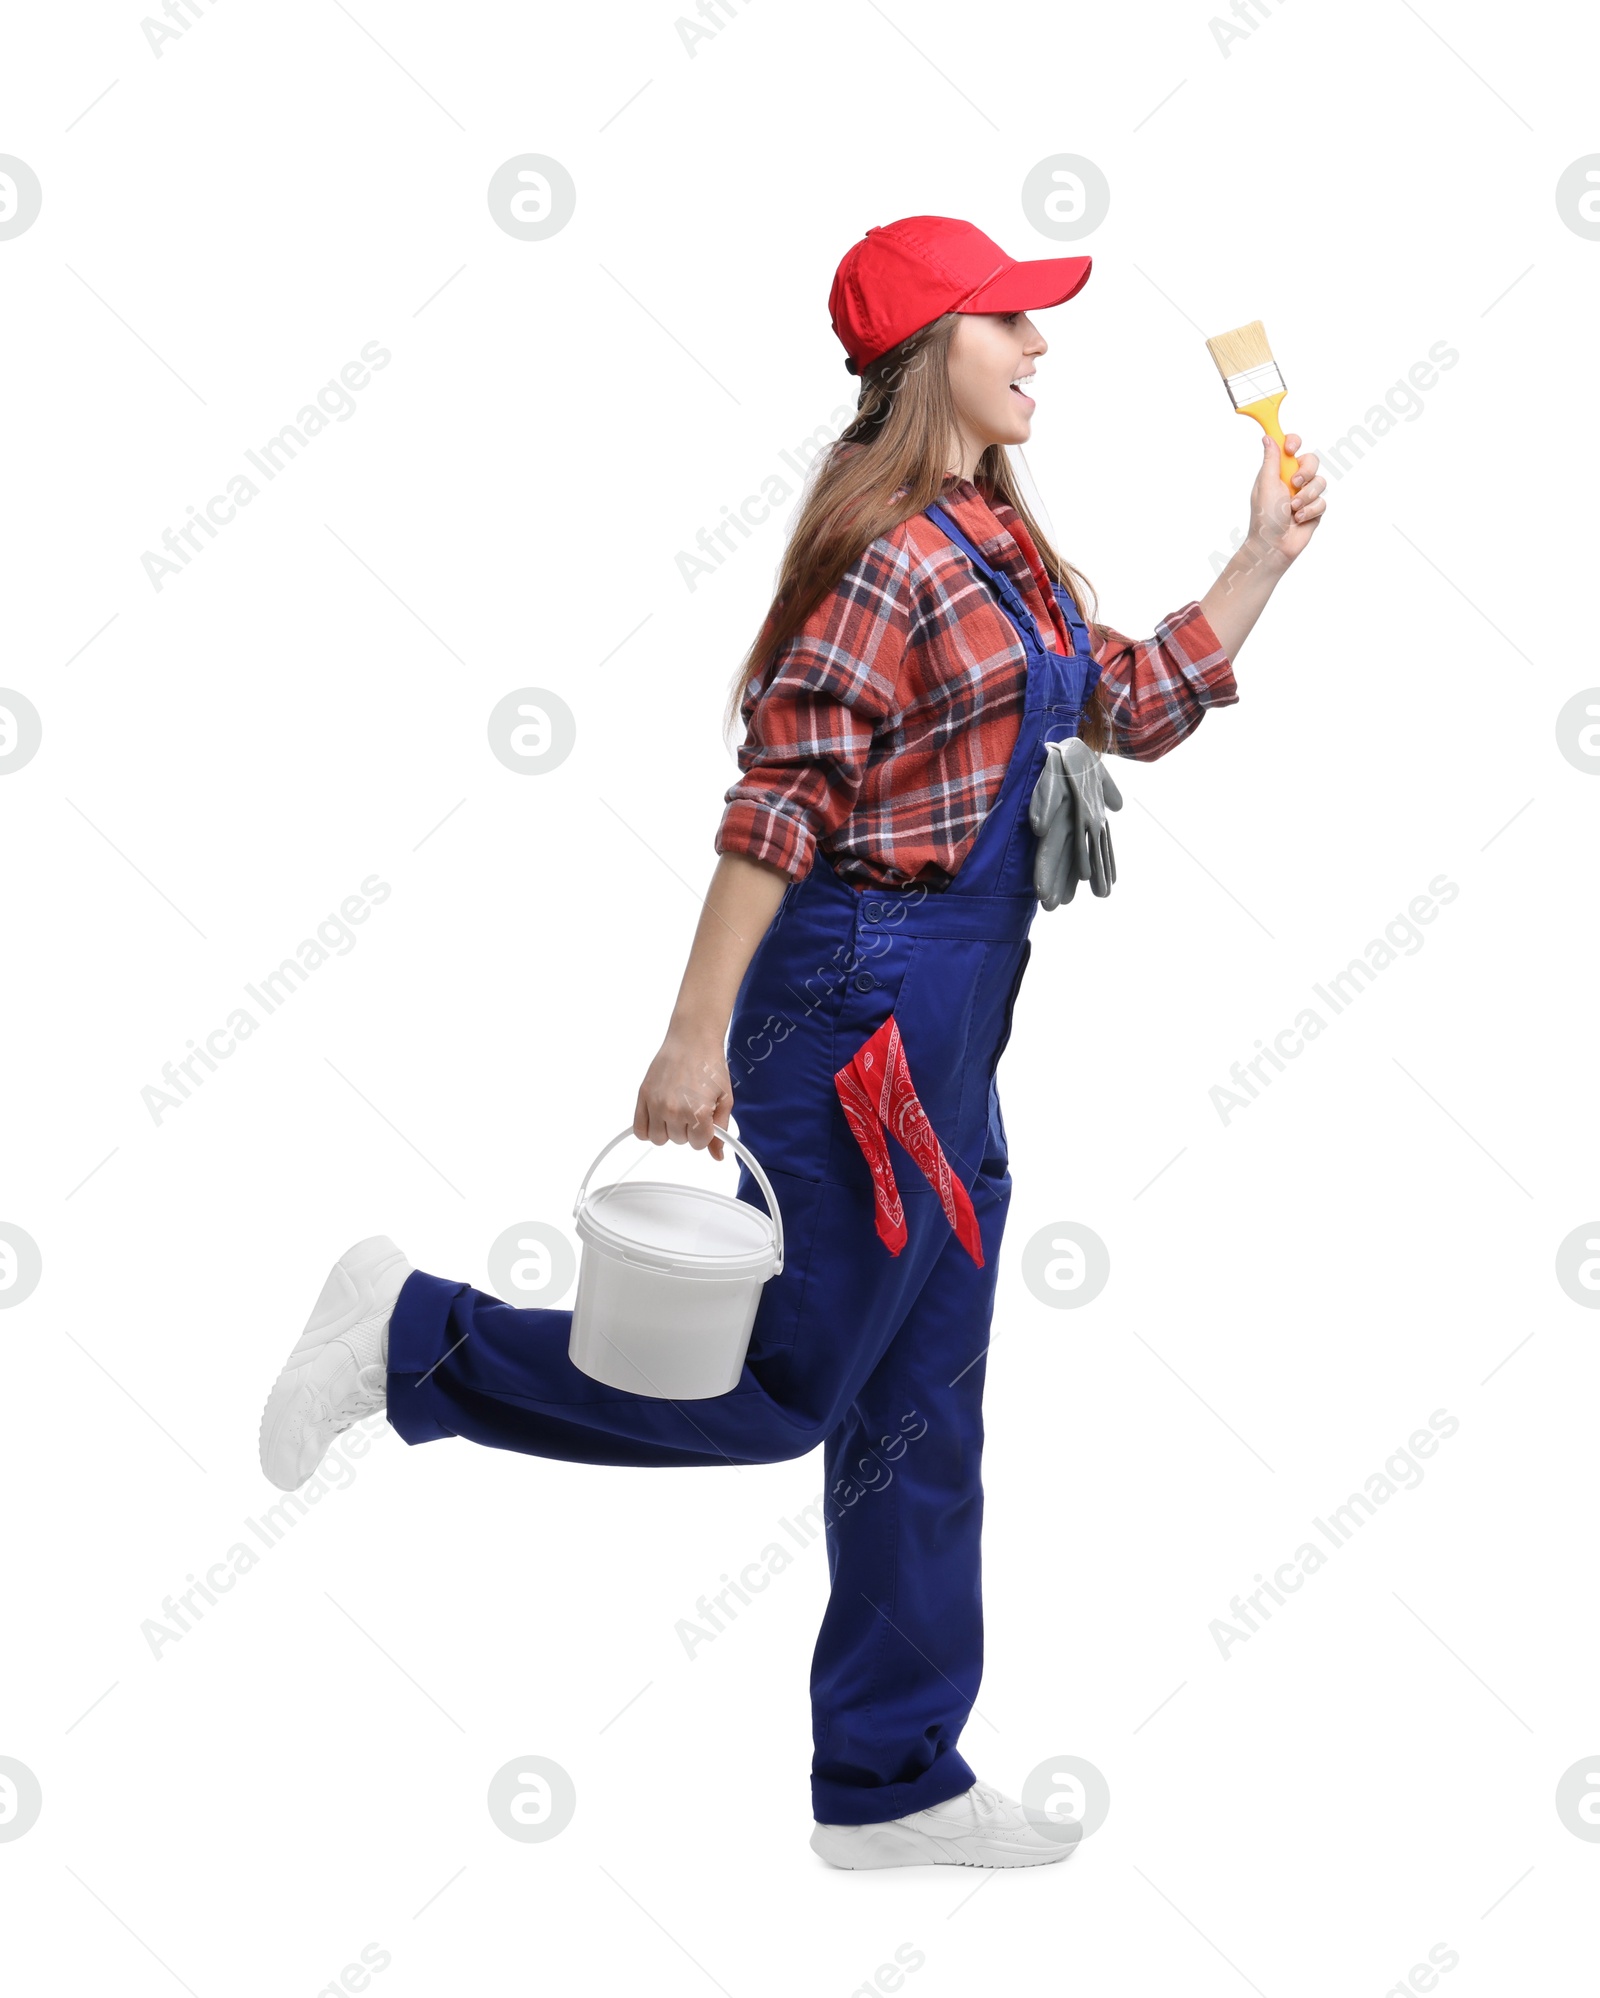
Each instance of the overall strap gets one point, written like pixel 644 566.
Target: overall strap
pixel 1078 630
pixel 1011 597
pixel 940 518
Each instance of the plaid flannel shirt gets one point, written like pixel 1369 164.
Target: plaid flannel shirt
pixel 883 732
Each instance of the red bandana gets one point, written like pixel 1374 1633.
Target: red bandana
pixel 875 1089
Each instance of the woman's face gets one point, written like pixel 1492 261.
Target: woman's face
pixel 988 352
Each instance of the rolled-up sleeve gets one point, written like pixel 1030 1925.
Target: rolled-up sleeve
pixel 809 734
pixel 1157 689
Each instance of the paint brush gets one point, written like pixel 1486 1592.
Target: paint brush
pixel 1254 383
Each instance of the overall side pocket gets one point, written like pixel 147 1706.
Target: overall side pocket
pixel 1011 998
pixel 935 1011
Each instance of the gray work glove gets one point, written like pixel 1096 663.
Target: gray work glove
pixel 1068 813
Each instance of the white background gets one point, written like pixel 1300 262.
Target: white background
pixel 304 1773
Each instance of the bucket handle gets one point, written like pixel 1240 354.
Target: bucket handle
pixel 749 1158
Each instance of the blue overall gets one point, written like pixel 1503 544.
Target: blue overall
pixel 877 1357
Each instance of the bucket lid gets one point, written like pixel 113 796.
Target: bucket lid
pixel 675 1227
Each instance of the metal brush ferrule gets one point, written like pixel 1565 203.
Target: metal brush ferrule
pixel 1255 383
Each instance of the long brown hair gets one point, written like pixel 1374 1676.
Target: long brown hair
pixel 887 464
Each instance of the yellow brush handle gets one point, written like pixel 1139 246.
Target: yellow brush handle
pixel 1265 413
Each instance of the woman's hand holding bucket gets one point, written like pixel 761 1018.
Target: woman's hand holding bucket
pixel 685 1091
pixel 687 1088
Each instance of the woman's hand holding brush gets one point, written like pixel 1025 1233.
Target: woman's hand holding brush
pixel 1284 518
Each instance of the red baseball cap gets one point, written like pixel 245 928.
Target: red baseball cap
pixel 903 275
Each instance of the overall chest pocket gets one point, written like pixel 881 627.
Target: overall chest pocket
pixel 1068 703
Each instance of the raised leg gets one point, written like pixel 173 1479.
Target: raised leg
pixel 462 1363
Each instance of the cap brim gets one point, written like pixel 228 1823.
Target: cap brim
pixel 1032 286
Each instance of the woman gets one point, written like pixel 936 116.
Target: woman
pixel 852 979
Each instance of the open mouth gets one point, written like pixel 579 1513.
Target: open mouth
pixel 1018 389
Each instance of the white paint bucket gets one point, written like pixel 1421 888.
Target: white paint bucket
pixel 669 1281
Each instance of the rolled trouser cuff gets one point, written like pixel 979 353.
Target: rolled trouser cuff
pixel 849 1804
pixel 419 1339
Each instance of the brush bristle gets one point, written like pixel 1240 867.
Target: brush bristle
pixel 1235 353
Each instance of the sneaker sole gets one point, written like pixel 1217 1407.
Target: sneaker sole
pixel 918 1853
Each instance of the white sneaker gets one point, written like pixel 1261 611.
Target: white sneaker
pixel 978 1828
pixel 338 1371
